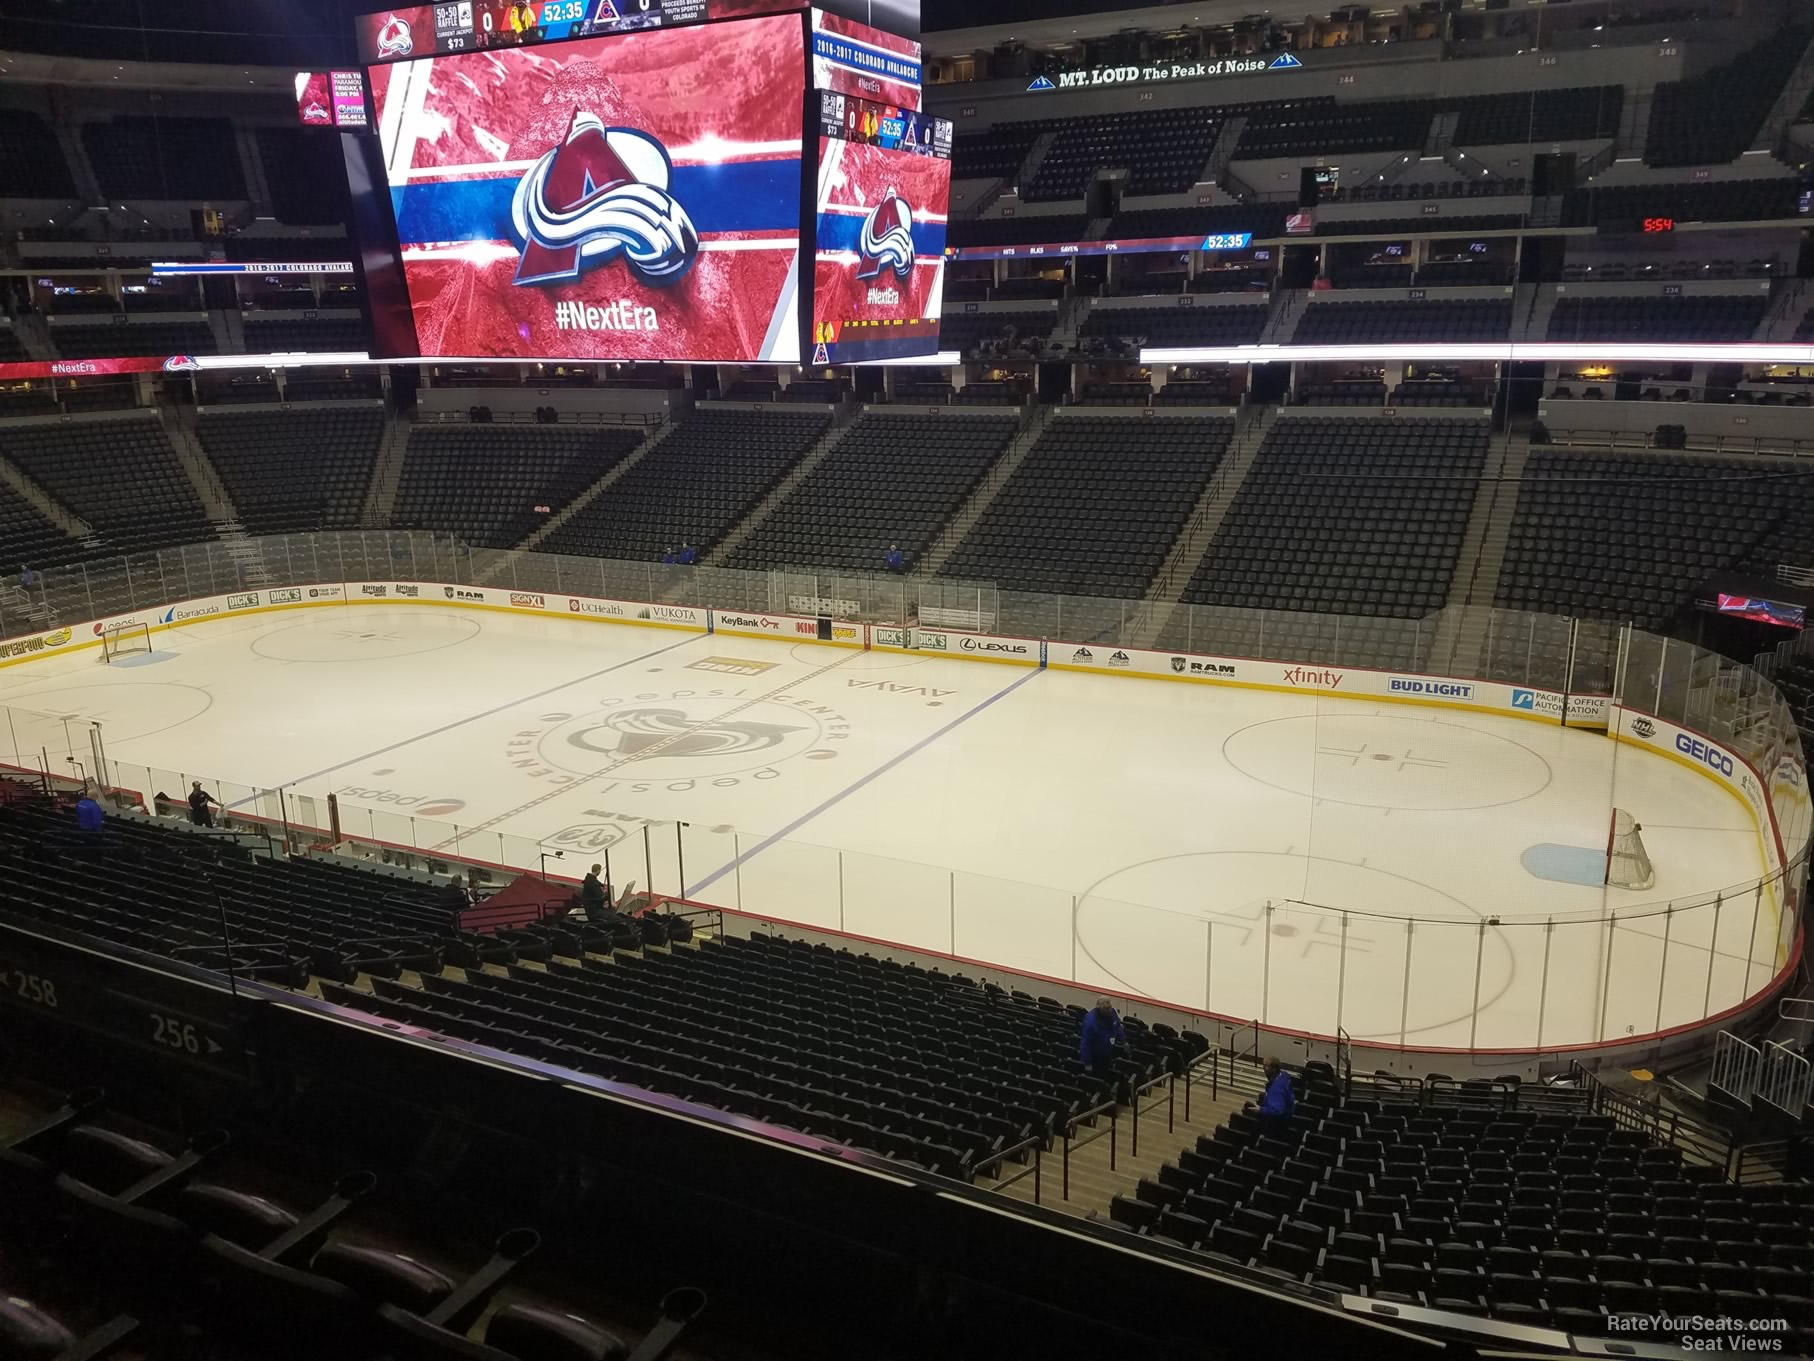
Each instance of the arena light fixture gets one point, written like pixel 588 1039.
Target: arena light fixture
pixel 943 359
pixel 1497 352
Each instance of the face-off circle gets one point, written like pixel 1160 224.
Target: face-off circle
pixel 366 635
pixel 1375 760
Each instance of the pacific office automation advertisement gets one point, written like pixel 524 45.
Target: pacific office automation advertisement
pixel 884 190
pixel 631 197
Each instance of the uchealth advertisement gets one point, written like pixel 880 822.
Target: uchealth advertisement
pixel 633 197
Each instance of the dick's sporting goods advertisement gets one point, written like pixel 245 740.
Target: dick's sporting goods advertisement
pixel 631 197
pixel 884 191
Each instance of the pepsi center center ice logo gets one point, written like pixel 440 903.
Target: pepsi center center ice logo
pixel 602 193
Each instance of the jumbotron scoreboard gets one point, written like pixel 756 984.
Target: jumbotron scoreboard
pixel 680 181
pixel 413 31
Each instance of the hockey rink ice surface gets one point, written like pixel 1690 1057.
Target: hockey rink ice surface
pixel 1248 852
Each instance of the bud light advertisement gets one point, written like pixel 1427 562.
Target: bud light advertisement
pixel 884 191
pixel 621 198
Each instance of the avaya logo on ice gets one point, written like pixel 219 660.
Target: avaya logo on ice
pixel 603 192
pixel 887 243
pixel 1319 678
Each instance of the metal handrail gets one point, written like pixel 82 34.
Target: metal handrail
pixel 1252 1054
pixel 1171 1100
pixel 1036 1143
pixel 1108 1108
pixel 1208 1056
pixel 1771 1153
pixel 1710 1144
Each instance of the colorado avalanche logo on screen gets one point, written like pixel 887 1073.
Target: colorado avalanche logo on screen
pixel 887 240
pixel 603 192
pixel 394 38
pixel 180 363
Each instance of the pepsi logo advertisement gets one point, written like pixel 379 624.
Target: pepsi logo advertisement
pixel 621 198
pixel 884 191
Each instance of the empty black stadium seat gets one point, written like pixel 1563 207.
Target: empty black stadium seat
pixel 1114 493
pixel 893 478
pixel 695 485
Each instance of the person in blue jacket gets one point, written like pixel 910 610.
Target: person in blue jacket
pixel 1103 1041
pixel 1277 1102
pixel 89 819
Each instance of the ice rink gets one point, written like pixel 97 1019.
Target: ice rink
pixel 1253 853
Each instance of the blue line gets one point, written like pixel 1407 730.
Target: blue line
pixel 470 718
pixel 843 794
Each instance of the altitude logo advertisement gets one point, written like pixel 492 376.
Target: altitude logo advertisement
pixel 628 198
pixel 884 191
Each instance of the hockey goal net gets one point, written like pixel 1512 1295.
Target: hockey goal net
pixel 120 640
pixel 1627 862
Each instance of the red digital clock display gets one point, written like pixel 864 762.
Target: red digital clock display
pixel 1659 224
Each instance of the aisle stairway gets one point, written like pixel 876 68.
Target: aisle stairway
pixel 1200 529
pixel 997 477
pixel 1092 1183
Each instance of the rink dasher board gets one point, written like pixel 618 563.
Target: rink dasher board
pixel 1494 697
pixel 1735 774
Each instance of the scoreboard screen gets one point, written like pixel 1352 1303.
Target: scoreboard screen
pixel 884 192
pixel 411 32
pixel 622 198
pixel 855 58
pixel 314 99
pixel 331 99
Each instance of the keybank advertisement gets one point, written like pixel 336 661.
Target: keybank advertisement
pixel 631 197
